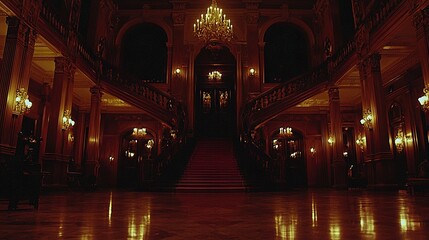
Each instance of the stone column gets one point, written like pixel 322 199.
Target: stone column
pixel 338 165
pixel 379 158
pixel 94 129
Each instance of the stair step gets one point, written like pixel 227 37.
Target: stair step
pixel 212 168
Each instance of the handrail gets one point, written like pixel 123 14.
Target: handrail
pixel 51 18
pixel 149 94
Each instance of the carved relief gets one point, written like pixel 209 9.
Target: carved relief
pixel 362 42
pixel 178 18
pixel 252 18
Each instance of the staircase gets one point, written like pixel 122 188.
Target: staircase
pixel 212 168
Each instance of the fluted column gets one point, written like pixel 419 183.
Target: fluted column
pixel 379 158
pixel 13 75
pixel 93 148
pixel 60 101
pixel 338 165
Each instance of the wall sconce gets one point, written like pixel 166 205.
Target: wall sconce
pixel 67 120
pixel 149 144
pixel 331 140
pixel 399 140
pixel 22 103
pixel 111 158
pixel 173 133
pixel 177 71
pixel 345 154
pixel 424 100
pixel 252 72
pixel 361 142
pixel 313 151
pixel 286 132
pixel 70 137
pixel 139 132
pixel 276 144
pixel 366 121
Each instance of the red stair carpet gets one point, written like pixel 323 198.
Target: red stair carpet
pixel 212 168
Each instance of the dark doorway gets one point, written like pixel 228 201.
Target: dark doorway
pixel 215 92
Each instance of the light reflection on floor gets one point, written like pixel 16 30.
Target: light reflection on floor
pixel 303 214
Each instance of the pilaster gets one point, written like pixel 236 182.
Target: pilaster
pixel 379 158
pixel 338 165
pixel 94 130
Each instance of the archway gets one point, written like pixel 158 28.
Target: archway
pixel 215 80
pixel 287 152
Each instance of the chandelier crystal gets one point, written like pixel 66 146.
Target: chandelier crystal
pixel 213 26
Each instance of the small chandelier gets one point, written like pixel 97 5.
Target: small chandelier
pixel 67 120
pixel 215 75
pixel 424 100
pixel 213 26
pixel 366 120
pixel 139 132
pixel 286 132
pixel 360 141
pixel 22 103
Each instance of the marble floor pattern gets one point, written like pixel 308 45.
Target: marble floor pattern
pixel 303 214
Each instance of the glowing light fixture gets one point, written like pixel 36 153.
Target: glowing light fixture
pixel 67 120
pixel 252 72
pixel 22 103
pixel 424 100
pixel 399 140
pixel 366 120
pixel 139 132
pixel 215 75
pixel 286 132
pixel 213 26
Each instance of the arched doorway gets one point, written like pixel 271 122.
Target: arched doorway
pixel 215 80
pixel 287 152
pixel 136 158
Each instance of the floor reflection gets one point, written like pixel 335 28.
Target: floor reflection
pixel 312 214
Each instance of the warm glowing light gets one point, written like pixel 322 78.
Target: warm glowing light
pixel 286 132
pixel 331 140
pixel 177 71
pixel 399 140
pixel 213 26
pixel 215 75
pixel 139 132
pixel 366 120
pixel 424 100
pixel 22 103
pixel 150 144
pixel 67 120
pixel 252 72
pixel 360 141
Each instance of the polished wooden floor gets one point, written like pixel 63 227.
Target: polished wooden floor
pixel 304 214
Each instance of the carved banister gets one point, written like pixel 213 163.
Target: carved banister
pixel 158 103
pixel 53 21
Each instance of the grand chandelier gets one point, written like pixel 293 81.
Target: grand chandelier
pixel 213 26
